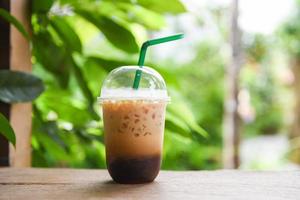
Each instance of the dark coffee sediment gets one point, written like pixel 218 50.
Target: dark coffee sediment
pixel 133 139
pixel 134 170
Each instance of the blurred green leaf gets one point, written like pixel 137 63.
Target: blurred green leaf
pixel 116 33
pixel 83 85
pixel 19 86
pixel 256 47
pixel 57 152
pixel 47 133
pixel 76 2
pixel 175 125
pixel 69 2
pixel 141 15
pixel 66 33
pixel 95 74
pixel 6 130
pixel 108 64
pixel 106 8
pixel 127 1
pixel 171 6
pixel 41 6
pixel 53 57
pixel 289 33
pixel 11 19
pixel 184 114
pixel 62 103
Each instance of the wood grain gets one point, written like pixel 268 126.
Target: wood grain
pixel 20 113
pixel 31 183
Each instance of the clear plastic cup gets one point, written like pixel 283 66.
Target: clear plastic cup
pixel 134 122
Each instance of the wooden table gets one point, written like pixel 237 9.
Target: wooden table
pixel 58 184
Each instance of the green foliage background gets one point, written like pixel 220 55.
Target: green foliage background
pixel 72 53
pixel 76 43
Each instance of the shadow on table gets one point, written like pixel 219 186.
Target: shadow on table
pixel 110 188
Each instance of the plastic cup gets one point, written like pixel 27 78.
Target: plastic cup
pixel 134 122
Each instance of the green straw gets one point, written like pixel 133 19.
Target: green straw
pixel 143 51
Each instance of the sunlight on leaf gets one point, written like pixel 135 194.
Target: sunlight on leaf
pixel 184 114
pixel 171 6
pixel 112 31
pixel 66 33
pixel 143 16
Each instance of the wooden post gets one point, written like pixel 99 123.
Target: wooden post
pixel 231 120
pixel 20 59
pixel 4 64
pixel 295 127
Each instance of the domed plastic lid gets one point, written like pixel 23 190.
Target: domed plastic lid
pixel 118 85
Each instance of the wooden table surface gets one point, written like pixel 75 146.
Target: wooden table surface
pixel 30 183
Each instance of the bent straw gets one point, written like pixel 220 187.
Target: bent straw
pixel 143 51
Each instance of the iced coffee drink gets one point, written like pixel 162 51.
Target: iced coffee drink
pixel 133 125
pixel 133 138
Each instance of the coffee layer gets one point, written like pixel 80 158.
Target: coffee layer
pixel 133 127
pixel 134 170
